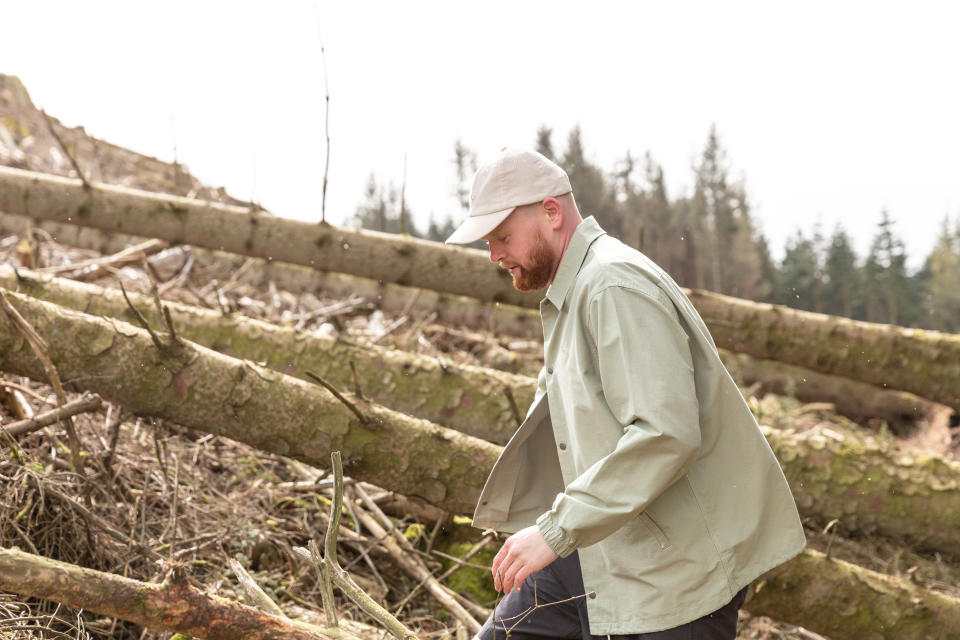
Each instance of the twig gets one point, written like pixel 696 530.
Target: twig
pixel 259 597
pixel 337 574
pixel 141 320
pixel 410 563
pixel 326 125
pixel 180 278
pixel 162 311
pixel 39 347
pixel 507 391
pixel 53 131
pixel 339 396
pixel 27 390
pixel 356 381
pixel 85 403
pixel 86 269
pixel 390 329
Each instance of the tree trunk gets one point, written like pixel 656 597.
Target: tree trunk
pixel 470 399
pixel 171 606
pixel 450 310
pixel 205 390
pixel 869 487
pixel 847 602
pixel 872 488
pixel 391 258
pixel 922 362
pixel 858 401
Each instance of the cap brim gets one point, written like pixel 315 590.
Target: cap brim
pixel 475 227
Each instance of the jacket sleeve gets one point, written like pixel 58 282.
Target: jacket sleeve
pixel 647 379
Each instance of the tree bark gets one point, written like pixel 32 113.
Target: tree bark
pixel 450 310
pixel 469 399
pixel 858 401
pixel 171 606
pixel 922 362
pixel 872 487
pixel 205 390
pixel 847 602
pixel 391 258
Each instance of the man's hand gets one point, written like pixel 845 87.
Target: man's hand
pixel 523 553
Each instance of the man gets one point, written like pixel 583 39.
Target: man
pixel 643 496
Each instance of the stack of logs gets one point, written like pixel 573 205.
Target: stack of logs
pixel 426 428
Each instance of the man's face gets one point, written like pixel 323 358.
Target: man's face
pixel 519 246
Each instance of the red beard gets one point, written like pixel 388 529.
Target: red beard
pixel 537 274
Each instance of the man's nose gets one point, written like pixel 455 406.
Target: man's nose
pixel 495 253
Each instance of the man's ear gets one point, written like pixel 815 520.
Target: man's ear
pixel 554 211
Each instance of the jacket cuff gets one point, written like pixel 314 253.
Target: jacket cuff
pixel 559 541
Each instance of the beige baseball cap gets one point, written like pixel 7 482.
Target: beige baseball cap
pixel 514 178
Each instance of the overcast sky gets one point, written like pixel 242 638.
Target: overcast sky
pixel 829 110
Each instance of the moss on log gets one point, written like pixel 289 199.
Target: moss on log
pixel 466 398
pixel 872 487
pixel 847 602
pixel 202 389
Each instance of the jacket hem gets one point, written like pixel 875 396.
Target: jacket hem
pixel 683 615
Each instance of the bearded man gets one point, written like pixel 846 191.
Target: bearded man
pixel 641 494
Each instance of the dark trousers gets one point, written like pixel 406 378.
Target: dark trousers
pixel 561 582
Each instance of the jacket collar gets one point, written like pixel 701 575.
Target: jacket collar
pixel 584 235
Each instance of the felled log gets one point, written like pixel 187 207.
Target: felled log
pixel 926 363
pixel 202 389
pixel 171 606
pixel 469 399
pixel 871 488
pixel 847 602
pixel 858 401
pixel 450 310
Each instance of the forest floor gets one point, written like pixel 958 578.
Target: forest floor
pixel 155 495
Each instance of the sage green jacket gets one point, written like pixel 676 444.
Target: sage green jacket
pixel 639 450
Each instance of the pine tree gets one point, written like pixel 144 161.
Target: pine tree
pixel 594 195
pixel 380 209
pixel 841 276
pixel 885 274
pixel 544 145
pixel 728 259
pixel 798 284
pixel 943 264
pixel 465 165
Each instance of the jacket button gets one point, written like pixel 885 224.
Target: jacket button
pixel 563 446
pixel 550 370
pixel 484 503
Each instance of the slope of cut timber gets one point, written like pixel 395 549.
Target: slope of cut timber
pixel 922 362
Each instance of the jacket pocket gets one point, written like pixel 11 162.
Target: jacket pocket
pixel 654 530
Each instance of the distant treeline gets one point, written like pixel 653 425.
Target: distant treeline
pixel 708 240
